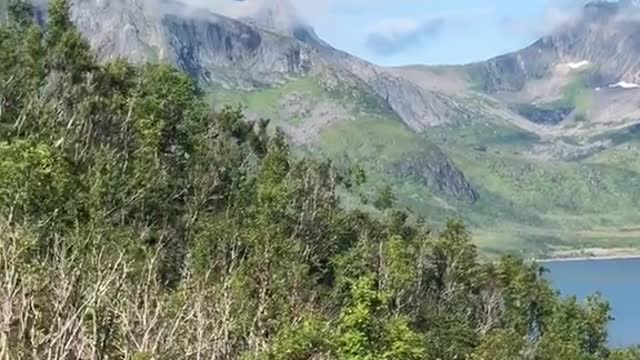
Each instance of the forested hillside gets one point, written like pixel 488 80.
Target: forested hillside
pixel 135 223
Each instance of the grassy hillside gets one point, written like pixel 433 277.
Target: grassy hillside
pixel 340 122
pixel 526 205
pixel 535 205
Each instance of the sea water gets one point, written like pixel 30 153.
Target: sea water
pixel 617 280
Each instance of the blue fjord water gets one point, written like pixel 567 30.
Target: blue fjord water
pixel 617 280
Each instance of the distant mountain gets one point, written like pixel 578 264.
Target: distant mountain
pixel 537 149
pixel 211 47
pixel 606 36
pixel 596 54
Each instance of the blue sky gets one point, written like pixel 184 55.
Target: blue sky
pixel 397 32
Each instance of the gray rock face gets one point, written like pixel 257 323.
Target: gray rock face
pixel 418 107
pixel 542 115
pixel 606 34
pixel 220 50
pixel 210 47
pixel 137 33
pixel 512 71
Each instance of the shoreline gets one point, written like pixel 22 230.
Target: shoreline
pixel 592 254
pixel 588 258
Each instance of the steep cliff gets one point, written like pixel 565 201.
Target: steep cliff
pixel 211 47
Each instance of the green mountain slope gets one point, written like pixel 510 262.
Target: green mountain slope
pixel 485 171
pixel 541 205
pixel 346 124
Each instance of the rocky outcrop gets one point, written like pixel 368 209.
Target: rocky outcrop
pixel 220 50
pixel 551 115
pixel 512 71
pixel 418 107
pixel 435 171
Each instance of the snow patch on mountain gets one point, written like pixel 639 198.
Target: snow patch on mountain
pixel 578 65
pixel 625 85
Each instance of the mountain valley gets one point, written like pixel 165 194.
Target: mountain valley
pixel 538 150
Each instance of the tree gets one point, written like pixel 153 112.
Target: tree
pixel 358 333
pixel 500 344
pixel 20 13
pixel 367 331
pixel 59 21
pixel 68 51
pixel 34 183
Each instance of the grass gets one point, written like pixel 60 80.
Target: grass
pixel 526 206
pixel 369 138
pixel 266 101
pixel 625 156
pixel 491 135
pixel 622 136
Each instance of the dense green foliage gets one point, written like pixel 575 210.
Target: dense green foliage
pixel 137 224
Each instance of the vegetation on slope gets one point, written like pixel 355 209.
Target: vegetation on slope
pixel 577 95
pixel 137 224
pixel 342 123
pixel 537 206
pixel 513 201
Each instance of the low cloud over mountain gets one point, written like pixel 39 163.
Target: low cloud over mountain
pixel 391 36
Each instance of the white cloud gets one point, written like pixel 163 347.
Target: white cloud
pixel 391 36
pixel 556 13
pixel 307 9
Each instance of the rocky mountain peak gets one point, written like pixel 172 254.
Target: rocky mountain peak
pixel 605 36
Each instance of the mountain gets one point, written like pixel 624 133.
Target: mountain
pixel 211 47
pixel 536 149
pixel 251 52
pixel 592 57
pixel 605 36
pixel 262 45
